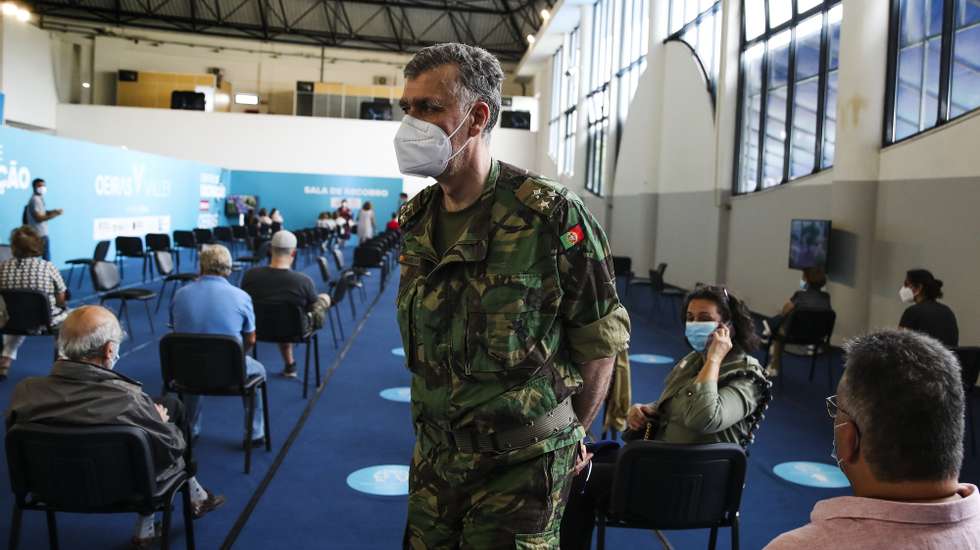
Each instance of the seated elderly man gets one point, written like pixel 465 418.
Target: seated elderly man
pixel 278 284
pixel 83 389
pixel 27 270
pixel 212 305
pixel 898 437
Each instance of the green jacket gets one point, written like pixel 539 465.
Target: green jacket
pixel 711 412
pixel 493 331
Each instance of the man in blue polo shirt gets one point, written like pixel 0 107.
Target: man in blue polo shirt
pixel 212 305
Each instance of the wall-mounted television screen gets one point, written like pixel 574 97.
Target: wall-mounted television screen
pixel 240 204
pixel 809 243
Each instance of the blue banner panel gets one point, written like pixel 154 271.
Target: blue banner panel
pixel 104 191
pixel 301 197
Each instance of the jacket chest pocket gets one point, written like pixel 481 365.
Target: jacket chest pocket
pixel 507 322
pixel 408 288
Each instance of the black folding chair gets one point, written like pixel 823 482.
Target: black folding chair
pixel 90 470
pixel 203 237
pixel 811 328
pixel 371 257
pixel 664 486
pixel 239 235
pixel 260 253
pixel 101 251
pixel 106 281
pixel 161 242
pixel 29 314
pixel 355 280
pixel 286 323
pixel 223 235
pixel 130 247
pixel 969 370
pixel 185 240
pixel 337 294
pixel 623 267
pixel 165 267
pixel 208 364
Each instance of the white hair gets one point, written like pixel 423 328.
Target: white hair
pixel 215 260
pixel 77 347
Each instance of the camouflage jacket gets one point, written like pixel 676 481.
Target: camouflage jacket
pixel 493 331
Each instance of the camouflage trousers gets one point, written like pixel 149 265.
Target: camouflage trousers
pixel 456 502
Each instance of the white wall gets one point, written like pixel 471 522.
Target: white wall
pixel 264 142
pixel 27 74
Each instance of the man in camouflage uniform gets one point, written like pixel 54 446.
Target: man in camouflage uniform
pixel 509 316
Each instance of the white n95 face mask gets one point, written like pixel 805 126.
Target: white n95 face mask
pixel 423 148
pixel 906 295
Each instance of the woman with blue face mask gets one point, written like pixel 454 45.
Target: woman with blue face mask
pixel 710 396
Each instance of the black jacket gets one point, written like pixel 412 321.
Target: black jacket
pixel 85 394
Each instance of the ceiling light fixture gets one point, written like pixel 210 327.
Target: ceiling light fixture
pixel 545 14
pixel 530 39
pixel 9 8
pixel 23 15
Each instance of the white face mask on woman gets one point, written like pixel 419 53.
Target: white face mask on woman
pixel 424 149
pixel 906 295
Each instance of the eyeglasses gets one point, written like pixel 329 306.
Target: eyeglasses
pixel 833 407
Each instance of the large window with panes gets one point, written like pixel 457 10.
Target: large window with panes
pixel 787 91
pixel 554 120
pixel 597 100
pixel 620 33
pixel 934 64
pixel 698 23
pixel 633 42
pixel 566 153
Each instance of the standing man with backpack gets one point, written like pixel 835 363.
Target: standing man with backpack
pixel 37 217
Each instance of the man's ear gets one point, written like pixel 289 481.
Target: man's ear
pixel 848 443
pixel 481 118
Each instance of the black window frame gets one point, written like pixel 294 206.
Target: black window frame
pixel 943 102
pixel 598 99
pixel 570 88
pixel 710 77
pixel 823 7
pixel 557 97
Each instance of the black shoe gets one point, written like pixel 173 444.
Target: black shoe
pixel 257 443
pixel 213 502
pixel 289 371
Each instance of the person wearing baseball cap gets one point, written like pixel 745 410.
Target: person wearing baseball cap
pixel 278 283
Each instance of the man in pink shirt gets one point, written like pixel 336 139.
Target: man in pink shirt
pixel 898 437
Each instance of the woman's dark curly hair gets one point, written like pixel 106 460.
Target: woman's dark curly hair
pixel 733 311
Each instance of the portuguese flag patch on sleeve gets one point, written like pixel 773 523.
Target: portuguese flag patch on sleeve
pixel 572 237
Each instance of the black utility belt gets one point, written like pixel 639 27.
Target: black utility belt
pixel 539 429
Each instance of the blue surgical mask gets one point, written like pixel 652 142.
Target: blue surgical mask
pixel 697 334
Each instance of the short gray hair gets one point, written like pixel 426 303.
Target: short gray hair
pixel 280 251
pixel 76 347
pixel 904 392
pixel 480 74
pixel 215 260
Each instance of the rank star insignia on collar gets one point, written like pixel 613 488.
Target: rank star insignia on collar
pixel 572 237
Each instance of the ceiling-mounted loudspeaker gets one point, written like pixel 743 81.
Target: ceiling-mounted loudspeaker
pixel 128 76
pixel 506 101
pixel 381 81
pixel 304 87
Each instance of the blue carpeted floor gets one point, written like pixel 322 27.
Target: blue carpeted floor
pixel 305 502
